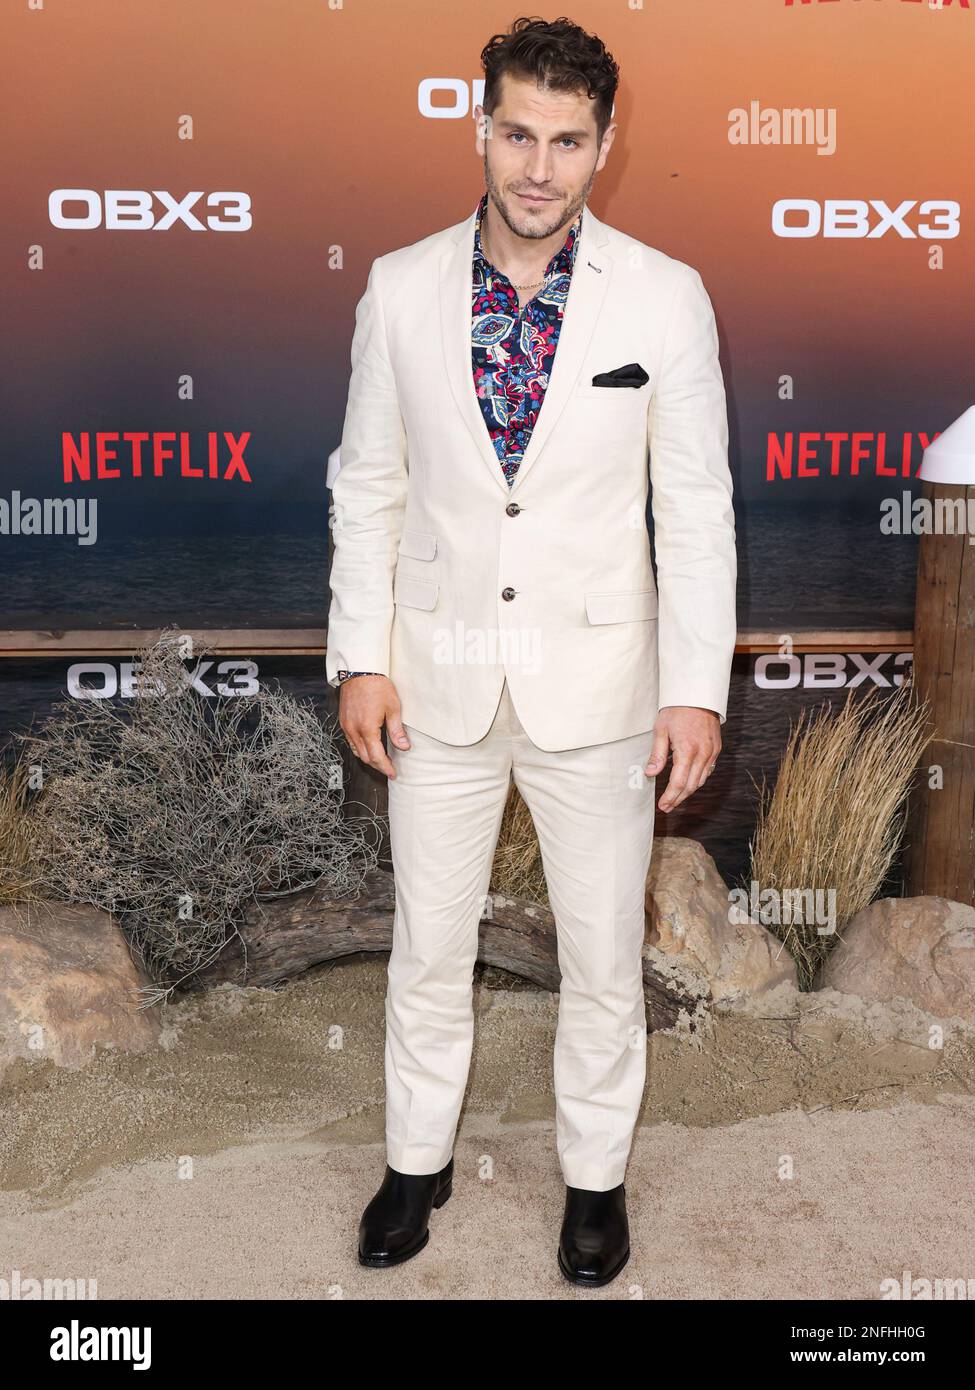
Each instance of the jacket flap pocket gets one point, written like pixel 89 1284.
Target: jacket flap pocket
pixel 622 606
pixel 418 545
pixel 415 593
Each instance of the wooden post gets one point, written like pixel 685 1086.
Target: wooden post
pixel 940 858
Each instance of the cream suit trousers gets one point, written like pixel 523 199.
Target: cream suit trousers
pixel 593 810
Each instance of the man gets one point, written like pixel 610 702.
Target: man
pixel 494 605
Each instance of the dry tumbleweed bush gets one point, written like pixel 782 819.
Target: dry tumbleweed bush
pixel 837 816
pixel 175 811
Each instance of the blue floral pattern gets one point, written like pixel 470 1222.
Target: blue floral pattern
pixel 513 347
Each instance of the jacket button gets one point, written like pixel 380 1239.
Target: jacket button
pixel 512 509
pixel 508 593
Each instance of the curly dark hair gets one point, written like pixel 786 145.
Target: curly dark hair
pixel 560 56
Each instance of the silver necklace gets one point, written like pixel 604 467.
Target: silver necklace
pixel 512 283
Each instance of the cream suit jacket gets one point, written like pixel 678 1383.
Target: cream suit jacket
pixel 447 580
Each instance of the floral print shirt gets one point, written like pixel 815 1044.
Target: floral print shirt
pixel 513 347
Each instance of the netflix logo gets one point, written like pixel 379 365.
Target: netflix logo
pixel 156 454
pixel 842 454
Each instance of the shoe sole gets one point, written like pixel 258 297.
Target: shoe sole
pixel 585 1283
pixel 386 1262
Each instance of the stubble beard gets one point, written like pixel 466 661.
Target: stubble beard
pixel 535 231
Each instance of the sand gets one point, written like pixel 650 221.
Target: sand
pixel 809 1148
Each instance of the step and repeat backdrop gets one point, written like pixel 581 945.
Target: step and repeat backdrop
pixel 196 190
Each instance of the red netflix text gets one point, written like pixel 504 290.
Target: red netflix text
pixel 156 454
pixel 838 454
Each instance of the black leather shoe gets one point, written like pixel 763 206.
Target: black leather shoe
pixel 395 1224
pixel 595 1241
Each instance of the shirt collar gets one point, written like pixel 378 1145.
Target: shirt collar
pixel 563 260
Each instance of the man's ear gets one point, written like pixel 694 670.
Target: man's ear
pixel 483 128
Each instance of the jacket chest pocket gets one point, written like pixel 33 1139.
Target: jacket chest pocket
pixel 609 412
pixel 589 392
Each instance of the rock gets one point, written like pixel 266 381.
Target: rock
pixel 919 949
pixel 67 983
pixel 690 918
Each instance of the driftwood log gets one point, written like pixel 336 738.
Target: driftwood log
pixel 285 936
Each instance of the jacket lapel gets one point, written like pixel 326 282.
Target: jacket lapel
pixel 587 292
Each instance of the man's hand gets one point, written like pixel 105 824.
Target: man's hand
pixel 694 736
pixel 365 703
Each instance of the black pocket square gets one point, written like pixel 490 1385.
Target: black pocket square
pixel 630 375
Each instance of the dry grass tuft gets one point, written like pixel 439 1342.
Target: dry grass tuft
pixel 18 881
pixel 517 871
pixel 836 818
